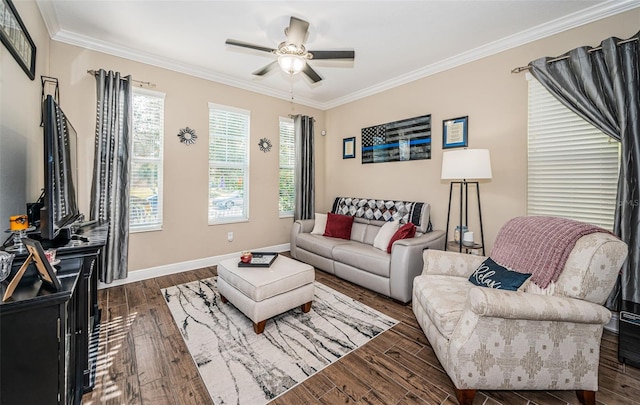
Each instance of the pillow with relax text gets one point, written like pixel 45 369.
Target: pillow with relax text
pixel 338 226
pixel 492 275
pixel 406 231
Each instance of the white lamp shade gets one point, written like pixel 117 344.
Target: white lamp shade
pixel 291 64
pixel 465 164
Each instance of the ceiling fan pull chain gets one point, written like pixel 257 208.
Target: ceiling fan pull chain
pixel 291 91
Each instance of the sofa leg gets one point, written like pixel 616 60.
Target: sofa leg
pixel 465 397
pixel 586 397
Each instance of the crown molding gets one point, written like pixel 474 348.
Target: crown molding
pixel 85 42
pixel 49 16
pixel 557 26
pixel 591 14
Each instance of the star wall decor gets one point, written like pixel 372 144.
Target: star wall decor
pixel 265 145
pixel 187 136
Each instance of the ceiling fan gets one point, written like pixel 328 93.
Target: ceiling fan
pixel 292 54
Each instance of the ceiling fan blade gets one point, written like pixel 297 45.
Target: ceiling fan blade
pixel 297 31
pixel 311 74
pixel 248 45
pixel 333 54
pixel 266 69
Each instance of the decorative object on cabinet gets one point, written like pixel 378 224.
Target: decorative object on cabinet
pixel 15 37
pixel 455 132
pixel 6 259
pixel 265 145
pixel 408 139
pixel 349 148
pixel 463 165
pixel 45 271
pixel 187 136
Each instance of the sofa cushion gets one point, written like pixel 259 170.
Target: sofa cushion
pixel 384 235
pixel 491 274
pixel 320 224
pixel 406 231
pixel 318 244
pixel 338 226
pixel 443 299
pixel 363 256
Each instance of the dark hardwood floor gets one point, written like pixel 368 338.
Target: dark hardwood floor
pixel 144 360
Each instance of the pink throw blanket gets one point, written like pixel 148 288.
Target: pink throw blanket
pixel 539 245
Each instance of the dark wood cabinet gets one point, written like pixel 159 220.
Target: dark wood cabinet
pixel 44 335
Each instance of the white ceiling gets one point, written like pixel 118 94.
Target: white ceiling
pixel 395 41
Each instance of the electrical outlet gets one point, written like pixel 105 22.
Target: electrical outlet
pixel 230 236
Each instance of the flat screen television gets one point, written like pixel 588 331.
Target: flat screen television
pixel 60 171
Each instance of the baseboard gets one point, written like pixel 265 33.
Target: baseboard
pixel 152 272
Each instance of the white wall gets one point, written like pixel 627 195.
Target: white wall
pixel 495 101
pixel 21 153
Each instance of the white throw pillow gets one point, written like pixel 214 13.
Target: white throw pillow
pixel 385 234
pixel 320 224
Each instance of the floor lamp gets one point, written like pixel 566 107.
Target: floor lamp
pixel 463 165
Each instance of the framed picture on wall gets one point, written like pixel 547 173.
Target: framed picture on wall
pixel 455 132
pixel 349 148
pixel 16 39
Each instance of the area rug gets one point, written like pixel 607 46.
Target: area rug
pixel 240 367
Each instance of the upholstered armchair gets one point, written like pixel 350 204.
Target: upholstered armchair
pixel 533 339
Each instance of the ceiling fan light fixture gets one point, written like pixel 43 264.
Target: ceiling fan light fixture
pixel 292 64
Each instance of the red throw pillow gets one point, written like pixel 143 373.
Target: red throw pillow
pixel 338 226
pixel 406 231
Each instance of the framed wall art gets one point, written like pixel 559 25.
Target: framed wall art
pixel 455 133
pixel 349 148
pixel 16 39
pixel 408 139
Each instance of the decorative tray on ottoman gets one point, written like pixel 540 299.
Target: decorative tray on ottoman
pixel 260 259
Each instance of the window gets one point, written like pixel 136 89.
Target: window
pixel 228 164
pixel 286 190
pixel 573 167
pixel 145 198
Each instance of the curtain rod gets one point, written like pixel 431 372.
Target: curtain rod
pixel 523 68
pixel 138 82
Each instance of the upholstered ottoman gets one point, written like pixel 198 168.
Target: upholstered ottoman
pixel 263 292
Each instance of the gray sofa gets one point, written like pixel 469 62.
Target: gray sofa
pixel 357 260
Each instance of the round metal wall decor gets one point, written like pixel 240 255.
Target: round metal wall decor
pixel 187 136
pixel 265 145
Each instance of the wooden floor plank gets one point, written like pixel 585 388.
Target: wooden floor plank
pixel 150 358
pixel 158 392
pixel 345 381
pixel 413 382
pixel 142 359
pixel 318 385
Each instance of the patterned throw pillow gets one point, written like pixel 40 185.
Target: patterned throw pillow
pixel 338 226
pixel 492 275
pixel 406 231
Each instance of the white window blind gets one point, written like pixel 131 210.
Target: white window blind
pixel 573 167
pixel 228 164
pixel 286 190
pixel 145 198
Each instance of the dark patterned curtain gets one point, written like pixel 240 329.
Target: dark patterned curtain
pixel 304 177
pixel 602 86
pixel 111 166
